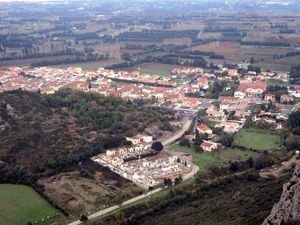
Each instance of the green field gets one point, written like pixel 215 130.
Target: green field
pixel 20 204
pixel 179 81
pixel 153 71
pixel 258 139
pixel 275 82
pixel 218 157
pixel 155 68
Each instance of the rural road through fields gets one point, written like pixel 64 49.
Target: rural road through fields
pixel 112 208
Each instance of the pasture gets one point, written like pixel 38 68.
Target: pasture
pixel 258 139
pixel 155 69
pixel 216 158
pixel 20 204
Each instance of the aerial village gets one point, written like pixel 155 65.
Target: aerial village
pixel 143 165
pixel 227 108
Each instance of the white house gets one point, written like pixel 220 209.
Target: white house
pixel 209 146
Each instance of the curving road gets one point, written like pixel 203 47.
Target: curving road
pixel 179 133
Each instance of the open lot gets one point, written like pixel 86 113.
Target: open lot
pixel 219 157
pixel 155 69
pixel 78 194
pixel 258 139
pixel 273 82
pixel 20 204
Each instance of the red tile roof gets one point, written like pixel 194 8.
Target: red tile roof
pixel 203 128
pixel 243 87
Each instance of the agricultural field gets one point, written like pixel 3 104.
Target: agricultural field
pixel 258 139
pixel 153 54
pixel 155 68
pixel 283 64
pixel 28 62
pixel 234 52
pixel 20 204
pixel 219 157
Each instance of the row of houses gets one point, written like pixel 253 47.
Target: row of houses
pixel 284 98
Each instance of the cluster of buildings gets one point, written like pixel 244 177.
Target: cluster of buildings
pixel 187 70
pixel 142 165
pixel 49 79
pixel 231 112
pixel 46 79
pixel 201 83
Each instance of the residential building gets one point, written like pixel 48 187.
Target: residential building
pixel 209 146
pixel 251 89
pixel 270 97
pixel 287 98
pixel 204 129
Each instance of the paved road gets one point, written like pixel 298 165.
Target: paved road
pixel 179 133
pixel 296 107
pixel 180 88
pixel 192 173
pixel 112 208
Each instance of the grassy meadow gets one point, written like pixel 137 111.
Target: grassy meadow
pixel 20 204
pixel 257 139
pixel 218 157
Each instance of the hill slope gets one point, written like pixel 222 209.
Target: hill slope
pixel 41 135
pixel 244 199
pixel 287 210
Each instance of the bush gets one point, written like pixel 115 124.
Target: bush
pixel 157 146
pixel 185 142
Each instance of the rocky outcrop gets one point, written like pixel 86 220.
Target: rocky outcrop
pixel 287 210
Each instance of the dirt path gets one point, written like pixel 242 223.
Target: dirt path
pixel 278 170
